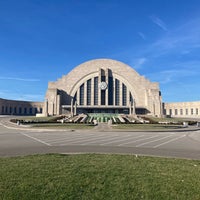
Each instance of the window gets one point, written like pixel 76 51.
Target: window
pixel 110 90
pixel 197 111
pixel 176 112
pixel 95 90
pixel 103 97
pixel 181 111
pixel 192 111
pixel 82 94
pixel 117 92
pixel 89 92
pixel 186 111
pixel 124 95
pixel 30 111
pixel 103 78
pixel 131 98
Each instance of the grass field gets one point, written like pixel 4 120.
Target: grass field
pixel 146 126
pixel 92 176
pixel 63 126
pixel 117 126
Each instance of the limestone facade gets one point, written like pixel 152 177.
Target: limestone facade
pixel 182 109
pixel 12 107
pixel 125 91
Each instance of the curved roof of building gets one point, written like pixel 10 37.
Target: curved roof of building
pixel 94 65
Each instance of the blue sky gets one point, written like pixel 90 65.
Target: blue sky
pixel 41 40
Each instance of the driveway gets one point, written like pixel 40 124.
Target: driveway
pixel 15 142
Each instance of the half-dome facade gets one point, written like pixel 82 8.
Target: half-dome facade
pixel 103 86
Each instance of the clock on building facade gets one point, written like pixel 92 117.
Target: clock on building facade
pixel 103 85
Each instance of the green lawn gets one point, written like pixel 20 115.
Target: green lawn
pixel 91 176
pixel 146 126
pixel 63 126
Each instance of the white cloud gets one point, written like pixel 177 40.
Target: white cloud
pixel 31 97
pixel 182 39
pixel 139 62
pixel 159 22
pixel 142 35
pixel 168 76
pixel 18 79
pixel 21 96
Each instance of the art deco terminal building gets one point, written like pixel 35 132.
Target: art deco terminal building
pixel 103 86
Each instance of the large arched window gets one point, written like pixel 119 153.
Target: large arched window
pixel 115 94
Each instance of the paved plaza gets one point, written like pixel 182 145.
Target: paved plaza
pixel 16 141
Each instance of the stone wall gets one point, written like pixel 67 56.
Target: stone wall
pixel 14 107
pixel 182 109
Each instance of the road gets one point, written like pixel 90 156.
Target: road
pixel 20 142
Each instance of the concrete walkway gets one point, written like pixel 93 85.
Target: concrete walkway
pixel 103 127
